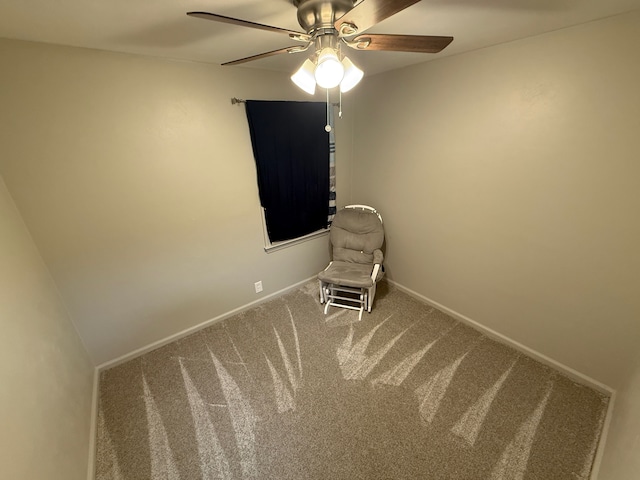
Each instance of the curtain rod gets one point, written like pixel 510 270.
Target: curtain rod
pixel 235 101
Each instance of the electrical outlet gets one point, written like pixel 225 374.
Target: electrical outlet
pixel 258 286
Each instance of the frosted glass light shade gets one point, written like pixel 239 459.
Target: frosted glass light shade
pixel 304 77
pixel 352 75
pixel 329 71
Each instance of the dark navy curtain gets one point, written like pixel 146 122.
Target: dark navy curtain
pixel 291 150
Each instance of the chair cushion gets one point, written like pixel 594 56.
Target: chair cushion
pixel 353 256
pixel 355 234
pixel 349 274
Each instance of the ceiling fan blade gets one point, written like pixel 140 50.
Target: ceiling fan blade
pixel 292 49
pixel 400 43
pixel 367 13
pixel 246 23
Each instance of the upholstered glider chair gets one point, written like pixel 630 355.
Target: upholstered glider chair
pixel 350 280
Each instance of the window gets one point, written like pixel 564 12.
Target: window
pixel 293 154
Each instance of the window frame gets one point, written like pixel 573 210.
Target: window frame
pixel 270 247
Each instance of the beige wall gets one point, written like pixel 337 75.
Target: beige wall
pixel 136 178
pixel 509 182
pixel 46 377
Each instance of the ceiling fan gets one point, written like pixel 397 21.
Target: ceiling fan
pixel 329 24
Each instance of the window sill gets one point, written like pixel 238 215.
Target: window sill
pixel 274 247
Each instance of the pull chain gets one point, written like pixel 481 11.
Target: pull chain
pixel 327 127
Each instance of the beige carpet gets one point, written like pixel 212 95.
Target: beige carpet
pixel 283 392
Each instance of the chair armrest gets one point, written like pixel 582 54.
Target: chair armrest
pixel 378 257
pixel 374 274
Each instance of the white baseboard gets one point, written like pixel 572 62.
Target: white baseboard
pixel 141 351
pixel 176 336
pixel 568 371
pixel 93 430
pixel 542 358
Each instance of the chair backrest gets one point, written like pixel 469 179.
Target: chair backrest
pixel 356 232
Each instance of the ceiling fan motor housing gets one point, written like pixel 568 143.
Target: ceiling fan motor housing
pixel 315 15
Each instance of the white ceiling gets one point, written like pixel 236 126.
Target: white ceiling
pixel 161 28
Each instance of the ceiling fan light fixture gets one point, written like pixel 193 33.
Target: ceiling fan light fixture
pixel 305 78
pixel 329 70
pixel 327 25
pixel 352 75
